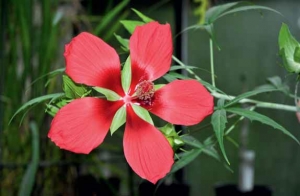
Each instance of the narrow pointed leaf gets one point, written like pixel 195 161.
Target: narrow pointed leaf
pixel 247 8
pixel 252 115
pixel 146 19
pixel 250 93
pixel 36 101
pixel 107 19
pixel 185 159
pixel 28 179
pixel 218 121
pixel 213 13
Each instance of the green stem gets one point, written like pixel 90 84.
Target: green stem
pixel 187 69
pixel 212 69
pixel 259 104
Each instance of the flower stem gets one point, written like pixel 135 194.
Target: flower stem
pixel 212 69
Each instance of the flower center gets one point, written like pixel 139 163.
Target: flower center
pixel 145 93
pixel 126 99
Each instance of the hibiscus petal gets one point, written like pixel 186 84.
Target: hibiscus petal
pixel 150 52
pixel 184 102
pixel 90 61
pixel 146 149
pixel 81 125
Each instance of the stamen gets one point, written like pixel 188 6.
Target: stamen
pixel 145 92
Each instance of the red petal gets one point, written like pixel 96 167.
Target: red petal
pixel 150 52
pixel 91 61
pixel 146 149
pixel 184 102
pixel 82 125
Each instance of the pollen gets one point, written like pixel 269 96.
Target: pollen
pixel 145 92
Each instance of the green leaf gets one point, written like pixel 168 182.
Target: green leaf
pixel 130 25
pixel 50 74
pixel 249 94
pixel 109 94
pixel 297 54
pixel 73 90
pixel 36 101
pixel 118 120
pixel 208 147
pixel 217 12
pixel 247 8
pixel 185 159
pixel 287 47
pixel 124 42
pixel 218 121
pixel 261 118
pixel 142 113
pixel 29 176
pixel 126 75
pixel 213 13
pixel 146 19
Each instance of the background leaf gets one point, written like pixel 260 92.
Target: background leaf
pixel 287 47
pixel 218 121
pixel 252 115
pixel 29 176
pixel 36 101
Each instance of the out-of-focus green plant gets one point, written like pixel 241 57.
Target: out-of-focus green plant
pixel 33 33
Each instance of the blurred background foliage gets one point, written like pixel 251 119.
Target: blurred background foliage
pixel 33 35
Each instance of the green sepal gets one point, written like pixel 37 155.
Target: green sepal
pixel 53 108
pixel 218 121
pixel 172 136
pixel 126 75
pixel 130 25
pixel 142 113
pixel 109 94
pixel 118 120
pixel 158 86
pixel 73 90
pixel 288 50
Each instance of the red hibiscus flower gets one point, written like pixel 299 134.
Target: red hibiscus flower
pixel 81 125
